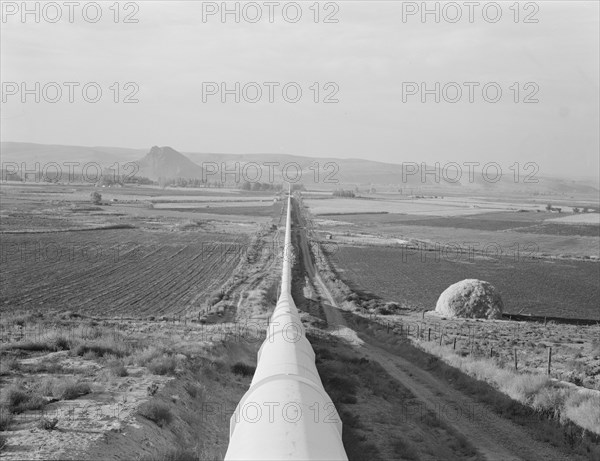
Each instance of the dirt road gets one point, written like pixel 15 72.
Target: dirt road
pixel 495 438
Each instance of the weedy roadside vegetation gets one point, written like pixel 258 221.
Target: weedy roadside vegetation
pixel 538 391
pixel 564 416
pixel 372 405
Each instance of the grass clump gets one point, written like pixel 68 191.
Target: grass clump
pixel 164 365
pixel 46 386
pixel 156 360
pixel 404 450
pixel 117 368
pixel 550 401
pixel 243 369
pixel 8 364
pixel 102 347
pixel 157 412
pixel 5 418
pixel 17 399
pixel 63 389
pixel 584 410
pixel 71 389
pixel 194 390
pixel 47 424
pixel 49 344
pixel 144 356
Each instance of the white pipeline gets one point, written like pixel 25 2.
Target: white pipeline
pixel 286 414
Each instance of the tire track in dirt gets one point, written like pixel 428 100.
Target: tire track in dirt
pixel 495 438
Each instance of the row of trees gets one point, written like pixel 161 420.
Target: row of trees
pixel 188 182
pixel 246 185
pixel 265 186
pixel 107 178
pixel 584 209
pixel 344 193
pixel 260 186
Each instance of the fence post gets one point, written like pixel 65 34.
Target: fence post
pixel 388 326
pixel 454 346
pixel 549 359
pixel 515 354
pixel 429 334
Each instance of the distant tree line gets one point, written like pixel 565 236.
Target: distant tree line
pixel 265 186
pixel 246 185
pixel 260 186
pixel 188 182
pixel 344 193
pixel 107 178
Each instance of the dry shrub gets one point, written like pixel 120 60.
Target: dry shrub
pixel 519 386
pixel 195 390
pixel 8 364
pixel 143 357
pixel 70 389
pixel 524 387
pixel 584 410
pixel 51 341
pixel 47 424
pixel 46 386
pixel 243 369
pixel 550 400
pixel 537 390
pixel 156 360
pixel 16 399
pixel 164 365
pixel 117 368
pixel 102 347
pixel 5 418
pixel 157 412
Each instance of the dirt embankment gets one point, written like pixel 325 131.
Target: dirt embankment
pixel 198 404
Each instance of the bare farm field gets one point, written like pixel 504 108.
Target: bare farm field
pixel 117 272
pixel 558 288
pixel 413 258
pixel 513 233
pixel 52 208
pixel 121 257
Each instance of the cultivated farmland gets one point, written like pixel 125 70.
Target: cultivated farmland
pixel 559 288
pixel 411 250
pixel 124 256
pixel 117 272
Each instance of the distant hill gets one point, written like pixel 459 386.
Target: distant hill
pixel 31 153
pixel 332 173
pixel 368 172
pixel 166 162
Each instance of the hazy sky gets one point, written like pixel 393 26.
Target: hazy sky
pixel 371 54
